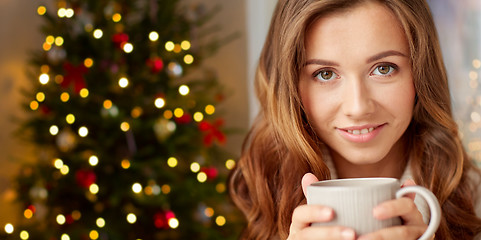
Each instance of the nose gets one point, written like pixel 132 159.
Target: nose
pixel 357 98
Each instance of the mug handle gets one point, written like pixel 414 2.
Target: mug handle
pixel 434 208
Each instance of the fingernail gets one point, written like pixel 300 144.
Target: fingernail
pixel 326 213
pixel 348 234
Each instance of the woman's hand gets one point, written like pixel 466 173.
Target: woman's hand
pixel 413 225
pixel 304 215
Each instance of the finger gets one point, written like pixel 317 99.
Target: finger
pixel 325 232
pixel 307 180
pixel 409 182
pixel 397 232
pixel 403 207
pixel 304 215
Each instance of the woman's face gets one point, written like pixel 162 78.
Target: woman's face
pixel 356 86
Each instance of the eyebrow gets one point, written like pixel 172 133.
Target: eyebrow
pixel 369 60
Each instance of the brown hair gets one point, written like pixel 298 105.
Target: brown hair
pixel 281 146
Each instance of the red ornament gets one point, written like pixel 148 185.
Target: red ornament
pixel 161 219
pixel 156 64
pixel 212 132
pixel 184 119
pixel 74 75
pixel 85 178
pixel 120 39
pixel 211 172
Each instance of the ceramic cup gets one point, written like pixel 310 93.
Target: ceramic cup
pixel 353 201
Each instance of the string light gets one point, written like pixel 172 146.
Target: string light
pixel 220 221
pixel 69 13
pixel 172 162
pixel 84 93
pixel 28 213
pixel 177 48
pixel 125 126
pixel 107 104
pixel 165 189
pixel 116 17
pixel 76 215
pixel 178 112
pixel 202 177
pixel 94 235
pixel 93 160
pixel 230 164
pixel 153 36
pixel 159 102
pixel 128 47
pixel 61 12
pixel 58 79
pixel 44 68
pixel 40 96
pixel 137 188
pixel 198 116
pixel 41 10
pixel 220 187
pixel 9 228
pixel 100 222
pixel 156 189
pixel 24 235
pixel 168 114
pixel 98 33
pixel 34 105
pixel 58 163
pixel 65 237
pixel 61 219
pixel 209 212
pixel 209 109
pixel 64 170
pixel 185 45
pixel 83 131
pixel 169 46
pixel 94 188
pixel 125 164
pixel 70 118
pixel 477 63
pixel 131 218
pixel 46 47
pixel 88 62
pixel 43 78
pixel 50 39
pixel 184 90
pixel 195 167
pixel 59 41
pixel 173 223
pixel 64 97
pixel 188 59
pixel 123 82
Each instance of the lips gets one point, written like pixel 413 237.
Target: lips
pixel 361 134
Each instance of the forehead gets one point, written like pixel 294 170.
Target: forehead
pixel 360 28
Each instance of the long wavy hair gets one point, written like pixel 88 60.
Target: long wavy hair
pixel 281 146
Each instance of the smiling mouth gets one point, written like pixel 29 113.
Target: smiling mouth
pixel 361 131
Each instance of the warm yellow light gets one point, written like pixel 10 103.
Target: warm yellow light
pixel 185 45
pixel 62 12
pixel 100 222
pixel 64 97
pixel 136 112
pixel 188 59
pixel 98 33
pixel 9 228
pixel 137 188
pixel 94 235
pixel 165 189
pixel 28 213
pixel 220 221
pixel 128 47
pixel 41 10
pixel 58 79
pixel 61 219
pixel 198 116
pixel 107 104
pixel 44 68
pixel 156 189
pixel 94 188
pixel 123 82
pixel 125 164
pixel 64 169
pixel 46 46
pixel 202 177
pixel 159 102
pixel 44 78
pixel 76 215
pixel 177 48
pixel 184 90
pixel 24 235
pixel 84 93
pixel 220 187
pixel 116 17
pixel 209 212
pixel 209 109
pixel 58 163
pixel 131 218
pixel 88 62
pixel 230 164
pixel 153 36
pixel 169 46
pixel 125 126
pixel 148 190
pixel 34 105
pixel 59 41
pixel 195 167
pixel 178 112
pixel 69 12
pixel 70 118
pixel 65 237
pixel 172 162
pixel 477 63
pixel 173 223
pixel 40 96
pixel 168 114
pixel 50 39
pixel 93 160
pixel 83 131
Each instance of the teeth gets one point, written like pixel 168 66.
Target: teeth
pixel 362 131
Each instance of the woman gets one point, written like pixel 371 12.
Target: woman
pixel 352 88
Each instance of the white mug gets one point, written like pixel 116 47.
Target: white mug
pixel 353 200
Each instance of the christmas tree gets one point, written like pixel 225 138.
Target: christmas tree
pixel 126 124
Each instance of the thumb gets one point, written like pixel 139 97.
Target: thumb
pixel 307 180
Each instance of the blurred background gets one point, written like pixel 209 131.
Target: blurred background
pixel 459 26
